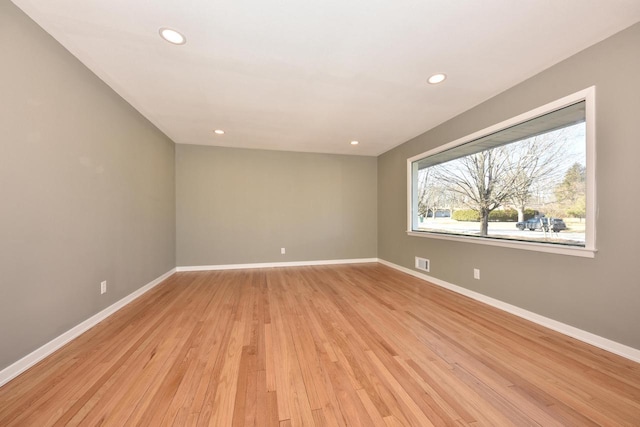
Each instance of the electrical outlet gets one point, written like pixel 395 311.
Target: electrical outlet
pixel 476 273
pixel 103 287
pixel 283 251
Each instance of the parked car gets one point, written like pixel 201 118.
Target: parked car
pixel 542 223
pixel 557 225
pixel 537 223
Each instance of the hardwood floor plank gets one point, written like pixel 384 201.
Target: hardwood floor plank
pixel 241 403
pixel 414 413
pixel 272 418
pixel 372 410
pixel 342 345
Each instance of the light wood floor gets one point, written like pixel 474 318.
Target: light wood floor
pixel 340 345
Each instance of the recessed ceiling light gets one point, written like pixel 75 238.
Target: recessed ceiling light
pixel 355 142
pixel 172 36
pixel 219 131
pixel 437 78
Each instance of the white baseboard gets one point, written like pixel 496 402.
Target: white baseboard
pixel 12 371
pixel 579 334
pixel 275 264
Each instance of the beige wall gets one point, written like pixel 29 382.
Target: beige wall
pixel 238 206
pixel 600 295
pixel 86 186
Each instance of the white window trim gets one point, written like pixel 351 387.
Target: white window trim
pixel 589 250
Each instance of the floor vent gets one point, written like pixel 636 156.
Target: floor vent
pixel 422 264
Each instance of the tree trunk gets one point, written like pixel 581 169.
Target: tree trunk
pixel 520 213
pixel 484 222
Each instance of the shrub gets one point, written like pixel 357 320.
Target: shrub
pixel 529 213
pixel 466 215
pixel 500 215
pixel 510 215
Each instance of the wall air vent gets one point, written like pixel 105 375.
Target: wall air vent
pixel 422 264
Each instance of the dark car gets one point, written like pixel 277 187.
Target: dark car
pixel 542 223
pixel 557 225
pixel 537 223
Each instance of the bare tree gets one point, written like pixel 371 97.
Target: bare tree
pixel 484 180
pixel 537 161
pixel 424 191
pixel 432 194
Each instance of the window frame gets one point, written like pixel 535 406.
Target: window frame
pixel 589 250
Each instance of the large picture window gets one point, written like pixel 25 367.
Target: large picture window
pixel 527 182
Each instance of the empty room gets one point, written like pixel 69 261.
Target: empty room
pixel 296 213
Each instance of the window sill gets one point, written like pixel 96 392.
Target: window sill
pixel 527 246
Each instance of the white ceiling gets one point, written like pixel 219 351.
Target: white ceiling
pixel 305 75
